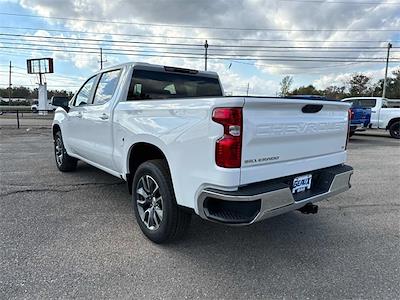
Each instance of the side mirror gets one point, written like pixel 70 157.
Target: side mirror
pixel 63 103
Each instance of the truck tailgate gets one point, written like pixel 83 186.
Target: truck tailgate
pixel 283 137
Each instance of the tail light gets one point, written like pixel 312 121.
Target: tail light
pixel 228 149
pixel 350 114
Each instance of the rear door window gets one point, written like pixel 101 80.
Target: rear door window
pixel 84 95
pixel 147 85
pixel 106 87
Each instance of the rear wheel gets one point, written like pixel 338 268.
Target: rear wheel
pixel 394 130
pixel 64 162
pixel 154 204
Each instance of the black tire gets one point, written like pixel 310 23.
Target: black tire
pixel 64 162
pixel 394 130
pixel 175 220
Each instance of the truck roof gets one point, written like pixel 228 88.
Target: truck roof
pixel 161 68
pixel 364 98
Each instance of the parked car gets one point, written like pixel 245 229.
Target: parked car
pixel 184 148
pixel 34 106
pixel 360 119
pixel 382 115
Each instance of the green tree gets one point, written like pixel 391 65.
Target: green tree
pixel 21 92
pixel 393 87
pixel 27 93
pixel 306 90
pixel 359 85
pixel 335 92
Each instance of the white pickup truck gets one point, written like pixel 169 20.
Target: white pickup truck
pixel 183 147
pixel 383 116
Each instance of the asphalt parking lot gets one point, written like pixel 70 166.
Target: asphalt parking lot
pixel 73 235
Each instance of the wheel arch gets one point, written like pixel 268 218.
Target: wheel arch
pixel 392 121
pixel 56 128
pixel 139 153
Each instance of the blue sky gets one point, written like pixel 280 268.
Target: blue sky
pixel 329 24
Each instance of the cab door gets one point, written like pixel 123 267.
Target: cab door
pixel 75 135
pixel 97 120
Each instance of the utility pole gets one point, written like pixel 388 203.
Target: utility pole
pixel 248 87
pixel 205 55
pixel 9 85
pixel 386 70
pixel 101 59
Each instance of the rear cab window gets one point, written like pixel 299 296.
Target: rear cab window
pixel 147 85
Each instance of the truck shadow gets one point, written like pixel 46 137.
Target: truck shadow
pixel 291 245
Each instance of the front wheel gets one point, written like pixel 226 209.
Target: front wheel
pixel 394 130
pixel 154 204
pixel 64 162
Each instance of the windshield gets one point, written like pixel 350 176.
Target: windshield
pixel 163 85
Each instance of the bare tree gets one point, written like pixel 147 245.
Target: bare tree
pixel 285 85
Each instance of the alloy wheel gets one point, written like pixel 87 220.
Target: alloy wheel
pixel 149 202
pixel 59 151
pixel 396 131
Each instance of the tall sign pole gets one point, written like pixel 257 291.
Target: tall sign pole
pixel 9 85
pixel 41 66
pixel 386 70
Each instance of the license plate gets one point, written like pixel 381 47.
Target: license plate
pixel 301 183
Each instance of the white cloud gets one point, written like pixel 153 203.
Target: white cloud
pixel 239 14
pixel 342 78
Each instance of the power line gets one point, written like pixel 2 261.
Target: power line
pixel 195 26
pixel 16 85
pixel 98 40
pixel 152 47
pixel 305 59
pixel 197 45
pixel 94 42
pixel 129 51
pixel 54 76
pixel 236 52
pixel 295 67
pixel 195 38
pixel 341 2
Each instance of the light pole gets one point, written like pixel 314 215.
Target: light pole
pixel 386 70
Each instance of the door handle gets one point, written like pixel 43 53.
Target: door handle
pixel 104 117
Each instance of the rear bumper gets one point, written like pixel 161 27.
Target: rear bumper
pixel 358 127
pixel 262 200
